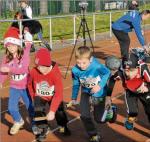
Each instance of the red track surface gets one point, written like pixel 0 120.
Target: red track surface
pixel 110 132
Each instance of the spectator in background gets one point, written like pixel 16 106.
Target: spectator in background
pixel 25 8
pixel 133 5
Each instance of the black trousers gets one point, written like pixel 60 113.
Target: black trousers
pixel 40 110
pixel 132 103
pixel 124 42
pixel 98 105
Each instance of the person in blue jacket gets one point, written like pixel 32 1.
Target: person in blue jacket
pixel 92 76
pixel 124 25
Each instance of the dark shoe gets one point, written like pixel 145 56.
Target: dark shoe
pixel 36 130
pixel 65 131
pixel 40 138
pixel 128 125
pixel 32 48
pixel 113 110
pixel 95 138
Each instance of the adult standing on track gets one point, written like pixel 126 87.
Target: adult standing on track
pixel 26 10
pixel 124 25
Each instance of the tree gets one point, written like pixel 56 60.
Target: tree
pixel 66 4
pixel 43 7
pixel 97 5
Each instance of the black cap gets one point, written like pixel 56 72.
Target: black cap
pixel 147 59
pixel 132 62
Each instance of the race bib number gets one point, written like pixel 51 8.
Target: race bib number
pixel 43 89
pixel 18 77
pixel 90 81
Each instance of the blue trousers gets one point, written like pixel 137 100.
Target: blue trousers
pixel 13 103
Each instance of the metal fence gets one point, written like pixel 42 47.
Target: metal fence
pixel 57 34
pixel 55 7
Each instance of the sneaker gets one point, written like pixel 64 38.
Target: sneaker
pixel 32 49
pixel 65 131
pixel 95 138
pixel 16 127
pixel 42 136
pixel 112 114
pixel 129 124
pixel 36 130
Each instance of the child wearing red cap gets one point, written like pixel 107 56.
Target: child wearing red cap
pixel 16 64
pixel 45 87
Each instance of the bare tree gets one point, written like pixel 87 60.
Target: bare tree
pixel 66 5
pixel 97 5
pixel 0 7
pixel 43 7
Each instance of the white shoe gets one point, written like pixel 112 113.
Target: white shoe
pixel 16 127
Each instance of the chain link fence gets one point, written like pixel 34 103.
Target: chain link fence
pixel 55 7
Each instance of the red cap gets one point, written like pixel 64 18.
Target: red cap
pixel 12 37
pixel 43 57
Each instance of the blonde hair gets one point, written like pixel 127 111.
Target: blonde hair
pixel 83 52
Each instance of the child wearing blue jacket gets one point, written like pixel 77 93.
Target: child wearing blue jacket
pixel 124 25
pixel 92 76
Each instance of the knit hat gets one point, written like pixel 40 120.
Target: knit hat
pixel 112 62
pixel 12 37
pixel 43 57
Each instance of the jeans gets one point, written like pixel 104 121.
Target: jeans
pixel 13 103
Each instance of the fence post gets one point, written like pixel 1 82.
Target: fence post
pixel 50 33
pixel 94 27
pixel 20 31
pixel 74 28
pixel 110 24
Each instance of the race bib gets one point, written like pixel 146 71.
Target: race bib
pixel 90 81
pixel 43 89
pixel 18 77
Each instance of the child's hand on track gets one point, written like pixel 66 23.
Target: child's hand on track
pixel 50 116
pixel 72 102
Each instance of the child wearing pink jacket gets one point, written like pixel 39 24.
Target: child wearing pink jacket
pixel 15 63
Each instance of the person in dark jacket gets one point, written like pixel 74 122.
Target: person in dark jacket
pixel 135 77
